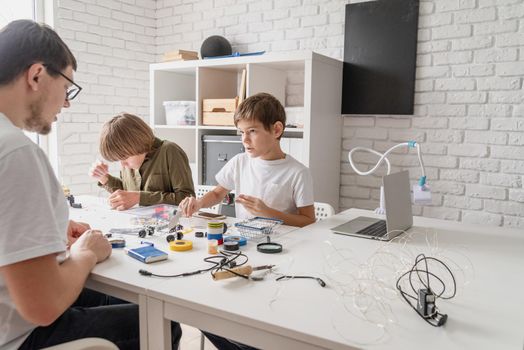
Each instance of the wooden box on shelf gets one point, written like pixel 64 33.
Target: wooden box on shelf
pixel 219 111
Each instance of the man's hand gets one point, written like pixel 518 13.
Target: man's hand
pixel 75 230
pixel 92 242
pixel 189 206
pixel 99 171
pixel 122 200
pixel 253 205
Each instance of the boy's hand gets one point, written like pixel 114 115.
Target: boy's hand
pixel 100 171
pixel 253 205
pixel 189 206
pixel 75 230
pixel 92 242
pixel 122 200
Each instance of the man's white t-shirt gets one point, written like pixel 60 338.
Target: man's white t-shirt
pixel 282 184
pixel 33 218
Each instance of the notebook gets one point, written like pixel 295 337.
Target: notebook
pixel 146 253
pixel 399 217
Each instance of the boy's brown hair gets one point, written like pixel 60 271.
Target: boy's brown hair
pixel 262 107
pixel 124 136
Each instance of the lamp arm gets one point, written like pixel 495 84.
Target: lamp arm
pixel 383 158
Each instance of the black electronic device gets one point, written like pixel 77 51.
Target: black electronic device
pixel 426 298
pixel 380 51
pixel 427 309
pixel 215 45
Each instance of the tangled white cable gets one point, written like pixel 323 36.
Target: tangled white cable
pixel 421 192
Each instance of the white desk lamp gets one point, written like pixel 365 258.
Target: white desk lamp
pixel 421 192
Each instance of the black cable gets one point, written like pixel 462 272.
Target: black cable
pixel 225 260
pixel 438 318
pixel 319 280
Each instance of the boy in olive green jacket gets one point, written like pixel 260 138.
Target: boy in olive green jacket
pixel 153 171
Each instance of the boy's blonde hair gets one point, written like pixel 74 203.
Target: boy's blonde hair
pixel 125 135
pixel 262 107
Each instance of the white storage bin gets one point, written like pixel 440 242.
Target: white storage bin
pixel 180 112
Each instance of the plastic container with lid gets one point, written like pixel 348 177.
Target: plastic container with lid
pixel 180 112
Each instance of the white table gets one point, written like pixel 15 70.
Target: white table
pixel 299 314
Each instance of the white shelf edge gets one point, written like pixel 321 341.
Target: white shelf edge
pixel 232 61
pixel 211 127
pixel 185 127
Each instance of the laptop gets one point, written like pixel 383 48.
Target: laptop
pixel 399 217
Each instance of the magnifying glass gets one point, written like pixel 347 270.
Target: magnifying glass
pixel 269 247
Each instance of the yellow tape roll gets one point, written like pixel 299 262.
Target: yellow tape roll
pixel 180 245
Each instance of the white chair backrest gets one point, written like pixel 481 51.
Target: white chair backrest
pixel 201 190
pixel 323 210
pixel 85 344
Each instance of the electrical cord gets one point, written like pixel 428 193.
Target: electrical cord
pixel 227 261
pixel 223 262
pixel 426 297
pixel 285 277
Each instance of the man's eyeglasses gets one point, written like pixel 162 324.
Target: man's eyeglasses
pixel 73 90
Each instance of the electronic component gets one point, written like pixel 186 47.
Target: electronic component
pixel 426 303
pixel 426 298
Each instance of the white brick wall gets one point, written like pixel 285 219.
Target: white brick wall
pixel 469 114
pixel 468 102
pixel 113 42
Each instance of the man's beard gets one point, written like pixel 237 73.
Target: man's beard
pixel 36 122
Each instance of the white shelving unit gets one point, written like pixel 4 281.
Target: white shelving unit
pixel 220 78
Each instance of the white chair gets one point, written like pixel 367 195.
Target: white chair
pixel 85 344
pixel 201 190
pixel 323 210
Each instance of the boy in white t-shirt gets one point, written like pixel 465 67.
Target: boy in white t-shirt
pixel 267 181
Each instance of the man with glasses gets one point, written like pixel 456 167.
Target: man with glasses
pixel 42 299
pixel 73 90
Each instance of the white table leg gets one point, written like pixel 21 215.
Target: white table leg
pixel 142 321
pixel 159 328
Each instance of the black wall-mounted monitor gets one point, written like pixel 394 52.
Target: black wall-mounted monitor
pixel 380 52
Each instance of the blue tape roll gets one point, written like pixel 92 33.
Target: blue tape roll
pixel 118 244
pixel 241 240
pixel 217 236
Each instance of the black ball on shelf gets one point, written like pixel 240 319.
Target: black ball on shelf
pixel 215 45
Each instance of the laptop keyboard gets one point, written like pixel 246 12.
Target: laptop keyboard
pixel 378 229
